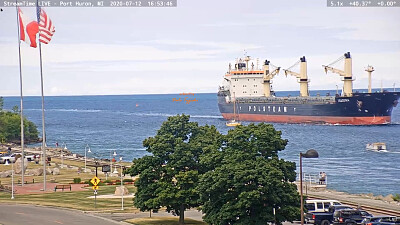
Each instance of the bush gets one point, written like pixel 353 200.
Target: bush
pixel 107 181
pixel 396 197
pixel 127 180
pixel 77 180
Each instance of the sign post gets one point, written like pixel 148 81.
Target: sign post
pixel 95 181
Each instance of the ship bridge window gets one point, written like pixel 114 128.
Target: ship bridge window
pixel 241 65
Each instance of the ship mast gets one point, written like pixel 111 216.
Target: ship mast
pixel 268 77
pixel 369 69
pixel 302 76
pixel 346 73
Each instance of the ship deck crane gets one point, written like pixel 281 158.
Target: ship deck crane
pixel 346 73
pixel 268 76
pixel 369 69
pixel 302 76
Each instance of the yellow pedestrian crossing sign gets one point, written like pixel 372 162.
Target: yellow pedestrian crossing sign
pixel 95 187
pixel 95 181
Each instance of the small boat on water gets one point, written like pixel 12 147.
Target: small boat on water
pixel 377 146
pixel 232 123
pixel 235 120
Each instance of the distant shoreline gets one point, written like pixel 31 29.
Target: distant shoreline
pixel 141 94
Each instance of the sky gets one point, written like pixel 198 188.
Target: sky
pixel 111 51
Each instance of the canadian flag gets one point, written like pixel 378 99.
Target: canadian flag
pixel 28 29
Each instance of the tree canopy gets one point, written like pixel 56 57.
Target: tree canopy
pixel 250 180
pixel 1 103
pixel 235 178
pixel 10 128
pixel 169 177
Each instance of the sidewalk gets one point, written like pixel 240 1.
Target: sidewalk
pixel 36 188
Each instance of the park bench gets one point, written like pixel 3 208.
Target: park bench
pixel 27 180
pixel 62 186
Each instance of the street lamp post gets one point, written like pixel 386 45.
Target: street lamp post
pixel 309 154
pixel 122 185
pixel 12 178
pixel 88 151
pixel 62 155
pixel 111 159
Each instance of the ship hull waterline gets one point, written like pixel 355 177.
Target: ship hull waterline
pixel 359 109
pixel 378 120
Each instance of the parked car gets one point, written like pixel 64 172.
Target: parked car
pixel 324 218
pixel 318 205
pixel 7 157
pixel 381 220
pixel 31 157
pixel 349 216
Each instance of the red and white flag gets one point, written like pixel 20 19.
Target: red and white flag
pixel 28 29
pixel 46 27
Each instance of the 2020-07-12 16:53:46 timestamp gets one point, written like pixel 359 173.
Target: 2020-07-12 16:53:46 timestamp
pixel 143 3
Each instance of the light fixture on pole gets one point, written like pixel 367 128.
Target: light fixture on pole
pixel 309 154
pixel 12 177
pixel 122 186
pixel 86 151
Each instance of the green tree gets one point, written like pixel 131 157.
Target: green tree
pixel 1 103
pixel 10 128
pixel 15 109
pixel 169 177
pixel 250 180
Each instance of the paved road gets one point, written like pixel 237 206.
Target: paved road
pixel 192 214
pixel 37 215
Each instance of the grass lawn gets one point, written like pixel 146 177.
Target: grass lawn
pixel 75 200
pixel 162 221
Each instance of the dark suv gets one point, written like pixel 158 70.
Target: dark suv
pixel 349 216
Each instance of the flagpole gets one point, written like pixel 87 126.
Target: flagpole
pixel 22 97
pixel 43 124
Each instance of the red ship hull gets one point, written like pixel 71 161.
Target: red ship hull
pixel 310 119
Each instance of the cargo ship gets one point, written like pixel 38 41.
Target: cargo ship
pixel 247 95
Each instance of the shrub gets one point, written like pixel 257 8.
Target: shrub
pixel 396 197
pixel 77 180
pixel 127 180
